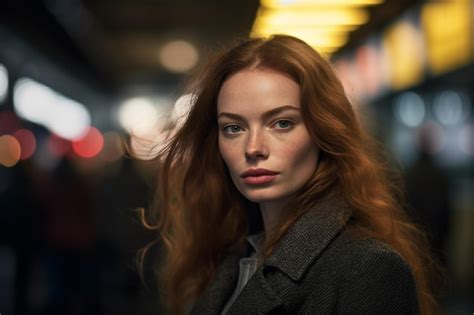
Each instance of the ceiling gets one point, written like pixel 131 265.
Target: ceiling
pixel 115 43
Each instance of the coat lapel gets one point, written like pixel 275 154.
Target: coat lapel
pixel 309 236
pixel 222 285
pixel 303 244
pixel 297 250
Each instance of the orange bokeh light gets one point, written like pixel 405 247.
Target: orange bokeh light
pixel 90 145
pixel 10 150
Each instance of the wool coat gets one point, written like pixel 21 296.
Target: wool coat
pixel 318 268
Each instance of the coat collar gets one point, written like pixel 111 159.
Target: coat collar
pixel 293 254
pixel 309 236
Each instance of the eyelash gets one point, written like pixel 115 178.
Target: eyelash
pixel 226 128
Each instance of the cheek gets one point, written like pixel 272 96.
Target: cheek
pixel 303 158
pixel 228 153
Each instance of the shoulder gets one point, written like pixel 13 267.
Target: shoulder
pixel 367 275
pixel 352 253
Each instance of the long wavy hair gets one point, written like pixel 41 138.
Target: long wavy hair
pixel 201 217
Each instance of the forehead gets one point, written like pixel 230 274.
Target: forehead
pixel 257 90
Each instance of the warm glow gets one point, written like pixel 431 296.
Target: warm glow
pixel 322 24
pixel 315 31
pixel 138 116
pixel 89 145
pixel 307 3
pixel 404 46
pixel 310 17
pixel 318 39
pixel 179 56
pixel 27 142
pixel 10 151
pixel 449 34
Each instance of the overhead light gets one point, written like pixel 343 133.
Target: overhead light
pixel 323 30
pixel 322 39
pixel 40 104
pixel 311 17
pixel 306 3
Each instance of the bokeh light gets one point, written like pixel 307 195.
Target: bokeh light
pixel 90 145
pixel 138 116
pixel 10 151
pixel 181 109
pixel 410 109
pixel 3 83
pixel 40 104
pixel 179 56
pixel 27 142
pixel 450 107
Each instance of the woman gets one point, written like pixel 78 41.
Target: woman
pixel 271 200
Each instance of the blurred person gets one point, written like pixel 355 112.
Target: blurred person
pixel 273 199
pixel 427 189
pixel 70 240
pixel 21 227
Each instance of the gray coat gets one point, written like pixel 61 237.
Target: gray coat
pixel 318 268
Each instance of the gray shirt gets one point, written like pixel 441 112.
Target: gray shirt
pixel 247 267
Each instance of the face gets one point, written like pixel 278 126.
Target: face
pixel 262 136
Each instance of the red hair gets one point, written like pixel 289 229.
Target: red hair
pixel 201 217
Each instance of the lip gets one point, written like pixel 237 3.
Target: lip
pixel 253 172
pixel 258 176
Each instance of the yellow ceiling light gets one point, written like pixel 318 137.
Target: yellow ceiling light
pixel 323 24
pixel 311 3
pixel 324 31
pixel 311 17
pixel 317 39
pixel 261 30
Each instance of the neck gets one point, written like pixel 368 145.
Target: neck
pixel 271 212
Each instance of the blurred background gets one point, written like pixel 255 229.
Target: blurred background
pixel 79 78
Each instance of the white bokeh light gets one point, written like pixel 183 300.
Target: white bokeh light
pixel 138 116
pixel 181 109
pixel 450 107
pixel 410 109
pixel 40 104
pixel 3 83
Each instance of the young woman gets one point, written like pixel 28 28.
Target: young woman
pixel 272 200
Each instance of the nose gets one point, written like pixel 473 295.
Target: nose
pixel 255 148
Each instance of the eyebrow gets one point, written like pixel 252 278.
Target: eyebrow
pixel 265 115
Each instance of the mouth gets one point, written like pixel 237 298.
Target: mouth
pixel 258 176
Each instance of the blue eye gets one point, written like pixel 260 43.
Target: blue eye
pixel 231 129
pixel 283 124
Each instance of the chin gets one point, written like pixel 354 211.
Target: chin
pixel 261 196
